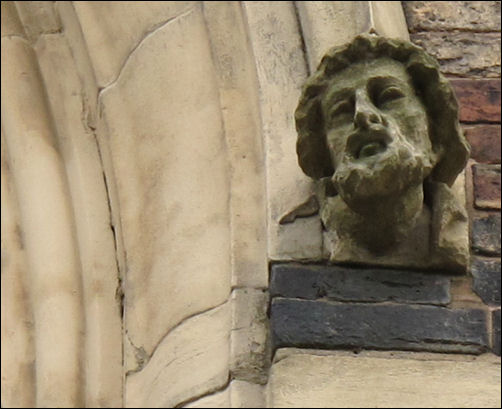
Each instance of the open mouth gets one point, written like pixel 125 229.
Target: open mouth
pixel 370 149
pixel 362 145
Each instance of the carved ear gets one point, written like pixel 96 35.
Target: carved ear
pixel 311 146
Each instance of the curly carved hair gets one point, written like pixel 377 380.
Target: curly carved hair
pixel 432 87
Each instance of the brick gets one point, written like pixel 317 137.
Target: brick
pixel 486 280
pixel 485 234
pixel 357 284
pixel 496 332
pixel 485 142
pixel 486 186
pixel 463 54
pixel 479 100
pixel 326 325
pixel 452 15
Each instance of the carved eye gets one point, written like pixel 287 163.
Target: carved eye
pixel 342 107
pixel 389 94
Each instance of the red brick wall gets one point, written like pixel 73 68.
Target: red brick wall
pixel 465 38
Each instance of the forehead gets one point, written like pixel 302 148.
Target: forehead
pixel 358 74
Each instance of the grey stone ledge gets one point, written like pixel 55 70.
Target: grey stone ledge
pixel 358 284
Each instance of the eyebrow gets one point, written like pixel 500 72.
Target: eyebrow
pixel 387 81
pixel 336 96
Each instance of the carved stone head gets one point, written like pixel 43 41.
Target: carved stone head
pixel 378 125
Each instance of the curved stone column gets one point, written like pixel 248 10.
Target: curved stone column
pixel 47 228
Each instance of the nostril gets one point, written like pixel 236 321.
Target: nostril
pixel 375 119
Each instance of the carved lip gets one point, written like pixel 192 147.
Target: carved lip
pixel 371 142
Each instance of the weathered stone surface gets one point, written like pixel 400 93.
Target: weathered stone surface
pixel 463 54
pixel 247 395
pixel 479 100
pixel 190 361
pixel 250 349
pixel 100 278
pixel 486 180
pixel 383 379
pixel 376 148
pixel 235 70
pixel 322 23
pixel 447 15
pixel 214 400
pixel 486 233
pixel 496 331
pixel 113 29
pixel 47 225
pixel 388 20
pixel 320 324
pixel 170 165
pixel 18 347
pixel 486 279
pixel 239 394
pixel 281 69
pixel 352 284
pixel 301 240
pixel 72 32
pixel 485 142
pixel 11 25
pixel 276 40
pixel 38 17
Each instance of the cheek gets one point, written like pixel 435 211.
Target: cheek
pixel 413 127
pixel 336 141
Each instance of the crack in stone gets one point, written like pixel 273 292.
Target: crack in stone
pixel 15 36
pixel 148 34
pixel 90 128
pixel 302 38
pixel 163 337
pixel 142 357
pixel 206 394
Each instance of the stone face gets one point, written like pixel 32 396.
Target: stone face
pixel 352 284
pixel 379 379
pixel 496 331
pixel 486 283
pixel 192 360
pixel 485 142
pixel 463 54
pixel 320 324
pixel 479 100
pixel 486 186
pixel 486 233
pixel 365 134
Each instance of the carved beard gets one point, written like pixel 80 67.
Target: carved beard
pixel 381 176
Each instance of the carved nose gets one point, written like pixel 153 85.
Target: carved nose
pixel 365 112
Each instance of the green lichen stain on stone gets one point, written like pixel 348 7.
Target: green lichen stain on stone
pixel 379 123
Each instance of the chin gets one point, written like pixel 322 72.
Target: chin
pixel 382 176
